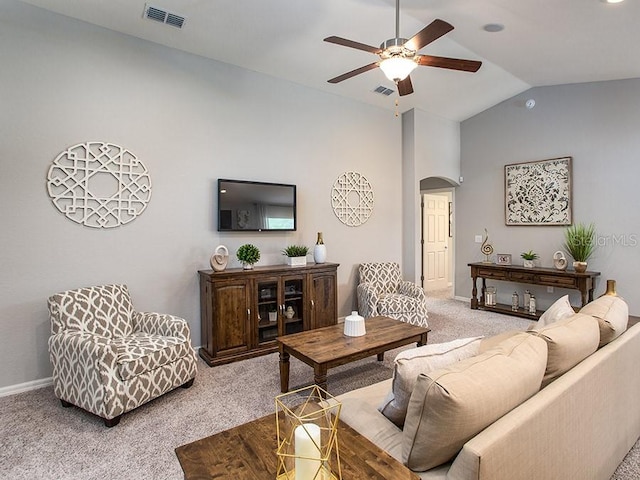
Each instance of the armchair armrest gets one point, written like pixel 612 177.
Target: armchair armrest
pixel 81 359
pixel 367 300
pixel 161 324
pixel 412 290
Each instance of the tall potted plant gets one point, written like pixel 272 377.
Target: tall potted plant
pixel 580 243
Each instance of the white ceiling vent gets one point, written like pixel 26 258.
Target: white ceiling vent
pixel 161 15
pixel 383 90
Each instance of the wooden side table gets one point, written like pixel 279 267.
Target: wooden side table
pixel 248 452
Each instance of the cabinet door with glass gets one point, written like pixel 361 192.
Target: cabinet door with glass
pixel 294 313
pixel 269 310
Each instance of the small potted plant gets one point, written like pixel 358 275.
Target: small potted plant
pixel 529 257
pixel 248 255
pixel 580 243
pixel 296 255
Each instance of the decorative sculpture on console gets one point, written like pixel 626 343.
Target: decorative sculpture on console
pixel 220 258
pixel 486 248
pixel 559 260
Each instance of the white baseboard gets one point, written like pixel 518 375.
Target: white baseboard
pixel 25 387
pixel 462 299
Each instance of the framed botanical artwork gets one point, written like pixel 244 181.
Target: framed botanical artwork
pixel 503 259
pixel 538 193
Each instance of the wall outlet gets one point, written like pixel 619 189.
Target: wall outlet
pixel 478 239
pixel 549 289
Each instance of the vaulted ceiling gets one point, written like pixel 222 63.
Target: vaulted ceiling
pixel 544 42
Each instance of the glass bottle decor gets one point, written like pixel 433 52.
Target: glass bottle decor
pixel 320 250
pixel 526 298
pixel 532 305
pixel 515 301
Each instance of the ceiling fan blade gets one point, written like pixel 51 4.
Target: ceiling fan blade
pixel 405 87
pixel 428 34
pixel 350 43
pixel 353 73
pixel 450 63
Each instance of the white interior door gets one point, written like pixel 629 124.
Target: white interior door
pixel 436 242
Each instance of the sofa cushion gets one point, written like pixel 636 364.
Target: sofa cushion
pixel 487 343
pixel 451 405
pixel 142 352
pixel 411 363
pixel 612 314
pixel 570 341
pixel 560 309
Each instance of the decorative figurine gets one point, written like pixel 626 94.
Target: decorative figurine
pixel 559 260
pixel 220 258
pixel 486 248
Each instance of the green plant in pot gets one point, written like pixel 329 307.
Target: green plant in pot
pixel 296 255
pixel 529 258
pixel 248 254
pixel 580 243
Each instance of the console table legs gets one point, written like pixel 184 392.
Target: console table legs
pixel 474 293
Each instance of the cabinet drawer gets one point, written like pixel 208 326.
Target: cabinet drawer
pixel 552 280
pixel 521 276
pixel 486 273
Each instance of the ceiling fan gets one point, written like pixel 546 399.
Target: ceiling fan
pixel 399 56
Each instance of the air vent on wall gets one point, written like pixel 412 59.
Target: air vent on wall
pixel 161 15
pixel 383 90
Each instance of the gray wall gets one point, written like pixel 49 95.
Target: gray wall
pixel 191 121
pixel 595 123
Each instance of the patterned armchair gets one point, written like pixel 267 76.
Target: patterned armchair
pixel 109 359
pixel 383 292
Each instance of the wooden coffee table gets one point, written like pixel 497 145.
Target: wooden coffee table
pixel 328 347
pixel 248 452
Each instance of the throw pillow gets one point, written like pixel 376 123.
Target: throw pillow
pixel 560 309
pixel 570 341
pixel 452 405
pixel 411 363
pixel 612 314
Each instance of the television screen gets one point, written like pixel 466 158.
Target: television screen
pixel 255 206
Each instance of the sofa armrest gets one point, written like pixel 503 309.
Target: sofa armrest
pixel 80 360
pixel 161 324
pixel 367 300
pixel 410 289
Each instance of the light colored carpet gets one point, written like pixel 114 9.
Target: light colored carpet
pixel 41 440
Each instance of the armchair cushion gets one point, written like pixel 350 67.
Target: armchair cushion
pixel 141 352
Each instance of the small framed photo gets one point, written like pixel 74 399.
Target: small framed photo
pixel 503 259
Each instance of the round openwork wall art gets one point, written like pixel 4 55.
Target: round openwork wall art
pixel 352 199
pixel 99 185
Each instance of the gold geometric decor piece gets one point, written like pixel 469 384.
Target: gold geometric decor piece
pixel 352 199
pixel 99 184
pixel 307 434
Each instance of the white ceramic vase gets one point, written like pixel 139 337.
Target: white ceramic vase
pixel 320 253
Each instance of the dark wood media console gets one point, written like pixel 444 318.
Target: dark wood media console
pixel 243 311
pixel 551 277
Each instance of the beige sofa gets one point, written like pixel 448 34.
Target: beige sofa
pixel 579 426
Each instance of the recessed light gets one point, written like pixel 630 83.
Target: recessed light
pixel 612 1
pixel 493 27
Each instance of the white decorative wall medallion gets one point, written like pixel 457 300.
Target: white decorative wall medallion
pixel 99 185
pixel 352 199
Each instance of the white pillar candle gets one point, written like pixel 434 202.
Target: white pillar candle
pixel 307 438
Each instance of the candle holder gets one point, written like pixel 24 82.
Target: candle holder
pixel 307 431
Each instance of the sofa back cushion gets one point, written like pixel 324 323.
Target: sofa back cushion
pixel 408 364
pixel 104 310
pixel 451 405
pixel 612 314
pixel 570 341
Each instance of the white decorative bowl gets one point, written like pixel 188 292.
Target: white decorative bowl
pixel 354 325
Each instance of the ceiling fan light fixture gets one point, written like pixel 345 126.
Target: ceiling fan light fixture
pixel 397 68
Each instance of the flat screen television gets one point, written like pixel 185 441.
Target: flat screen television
pixel 246 206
